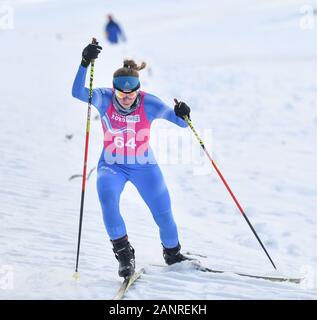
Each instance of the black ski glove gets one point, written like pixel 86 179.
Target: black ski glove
pixel 90 53
pixel 181 109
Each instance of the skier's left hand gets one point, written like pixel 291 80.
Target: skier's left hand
pixel 181 109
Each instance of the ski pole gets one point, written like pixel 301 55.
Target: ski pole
pixel 227 187
pixel 76 274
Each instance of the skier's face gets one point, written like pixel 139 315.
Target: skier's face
pixel 126 99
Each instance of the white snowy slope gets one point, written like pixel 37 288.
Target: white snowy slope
pixel 246 68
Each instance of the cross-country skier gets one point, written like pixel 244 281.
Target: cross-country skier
pixel 127 113
pixel 113 31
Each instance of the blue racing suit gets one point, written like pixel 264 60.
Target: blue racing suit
pixel 145 176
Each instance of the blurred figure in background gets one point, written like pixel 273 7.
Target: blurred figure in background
pixel 113 32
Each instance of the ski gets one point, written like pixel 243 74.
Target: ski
pixel 127 283
pixel 199 267
pixel 269 278
pixel 195 254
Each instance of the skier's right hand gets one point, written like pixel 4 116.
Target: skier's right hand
pixel 90 53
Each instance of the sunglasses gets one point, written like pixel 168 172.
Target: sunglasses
pixel 121 94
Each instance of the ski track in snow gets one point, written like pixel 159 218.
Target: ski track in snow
pixel 248 75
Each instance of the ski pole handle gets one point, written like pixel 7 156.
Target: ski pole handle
pixel 93 41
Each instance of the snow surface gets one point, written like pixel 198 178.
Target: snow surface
pixel 248 71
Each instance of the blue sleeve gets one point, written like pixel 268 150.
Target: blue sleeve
pixel 100 96
pixel 155 108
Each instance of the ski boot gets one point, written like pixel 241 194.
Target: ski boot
pixel 124 253
pixel 173 255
